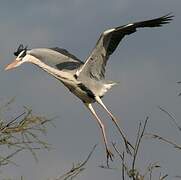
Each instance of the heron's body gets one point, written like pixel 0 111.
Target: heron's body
pixel 85 88
pixel 86 79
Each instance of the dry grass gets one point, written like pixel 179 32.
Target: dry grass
pixel 22 132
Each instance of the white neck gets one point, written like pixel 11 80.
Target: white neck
pixel 55 72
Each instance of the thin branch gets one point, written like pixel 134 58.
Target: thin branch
pixel 138 141
pixel 171 117
pixel 150 169
pixel 12 121
pixel 156 136
pixel 7 158
pixel 123 172
pixel 22 133
pixel 163 177
pixel 136 146
pixel 72 173
pixel 122 157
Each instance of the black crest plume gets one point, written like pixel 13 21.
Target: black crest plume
pixel 20 49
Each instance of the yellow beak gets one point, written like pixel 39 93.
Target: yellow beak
pixel 11 65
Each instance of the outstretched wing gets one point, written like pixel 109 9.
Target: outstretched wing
pixel 108 42
pixel 57 57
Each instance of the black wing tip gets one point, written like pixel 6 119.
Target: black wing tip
pixel 167 18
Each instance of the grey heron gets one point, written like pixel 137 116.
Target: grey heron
pixel 86 79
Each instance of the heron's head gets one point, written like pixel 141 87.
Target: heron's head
pixel 20 57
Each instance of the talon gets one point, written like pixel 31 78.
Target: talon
pixel 109 155
pixel 127 143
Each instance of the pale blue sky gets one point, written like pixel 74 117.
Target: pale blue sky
pixel 147 65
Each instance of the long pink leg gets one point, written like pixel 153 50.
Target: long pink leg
pixel 115 122
pixel 108 152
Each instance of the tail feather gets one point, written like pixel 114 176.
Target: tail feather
pixel 108 85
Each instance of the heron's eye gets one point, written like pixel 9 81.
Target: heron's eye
pixel 22 54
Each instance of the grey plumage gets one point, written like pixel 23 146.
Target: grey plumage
pixel 108 42
pixel 57 58
pixel 86 80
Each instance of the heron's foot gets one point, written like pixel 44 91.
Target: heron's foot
pixel 109 156
pixel 126 142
